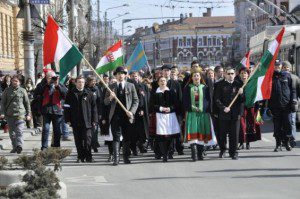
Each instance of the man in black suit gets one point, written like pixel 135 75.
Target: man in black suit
pixel 118 118
pixel 229 118
pixel 81 112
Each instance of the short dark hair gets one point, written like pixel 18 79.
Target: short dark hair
pixel 195 62
pixel 217 68
pixel 16 77
pixel 229 68
pixel 79 77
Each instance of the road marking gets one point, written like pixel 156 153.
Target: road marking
pixel 88 180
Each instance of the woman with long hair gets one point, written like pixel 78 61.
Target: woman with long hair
pixel 199 130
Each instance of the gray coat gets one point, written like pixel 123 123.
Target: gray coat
pixel 132 100
pixel 15 103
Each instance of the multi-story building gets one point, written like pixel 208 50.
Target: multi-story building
pixel 250 21
pixel 207 38
pixel 11 45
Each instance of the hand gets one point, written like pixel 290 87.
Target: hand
pixel 241 91
pixel 197 109
pixel 28 117
pixel 227 110
pixel 1 117
pixel 69 123
pixel 167 110
pixel 94 124
pixel 112 96
pixel 141 113
pixel 129 114
pixel 103 121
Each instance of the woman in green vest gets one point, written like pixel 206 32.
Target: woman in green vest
pixel 199 130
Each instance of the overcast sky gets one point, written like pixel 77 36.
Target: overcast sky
pixel 159 8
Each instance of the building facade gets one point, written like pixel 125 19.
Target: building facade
pixel 207 39
pixel 11 45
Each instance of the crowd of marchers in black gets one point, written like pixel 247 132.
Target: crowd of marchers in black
pixel 86 105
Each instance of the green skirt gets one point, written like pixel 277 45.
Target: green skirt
pixel 198 127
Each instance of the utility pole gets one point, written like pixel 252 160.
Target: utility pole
pixel 89 33
pixel 28 38
pixel 71 29
pixel 105 30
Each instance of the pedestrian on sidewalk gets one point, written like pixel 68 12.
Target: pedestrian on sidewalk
pixel 51 93
pixel 16 109
pixel 81 113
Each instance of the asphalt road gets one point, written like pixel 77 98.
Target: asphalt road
pixel 259 173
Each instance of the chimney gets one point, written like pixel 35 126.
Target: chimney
pixel 181 18
pixel 173 20
pixel 186 15
pixel 168 21
pixel 191 15
pixel 208 11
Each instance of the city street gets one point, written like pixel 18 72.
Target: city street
pixel 259 173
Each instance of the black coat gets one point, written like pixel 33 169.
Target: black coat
pixel 166 99
pixel 97 95
pixel 89 109
pixel 224 94
pixel 187 99
pixel 283 93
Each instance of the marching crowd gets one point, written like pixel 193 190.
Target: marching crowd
pixel 158 111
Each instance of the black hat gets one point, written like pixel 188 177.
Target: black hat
pixel 166 66
pixel 120 69
pixel 277 62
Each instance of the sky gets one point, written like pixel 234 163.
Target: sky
pixel 159 8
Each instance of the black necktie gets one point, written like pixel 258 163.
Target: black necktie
pixel 120 88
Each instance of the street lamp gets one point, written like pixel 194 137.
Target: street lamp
pixel 119 15
pixel 105 20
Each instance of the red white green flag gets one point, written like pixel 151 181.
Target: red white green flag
pixel 245 61
pixel 112 59
pixel 259 86
pixel 59 49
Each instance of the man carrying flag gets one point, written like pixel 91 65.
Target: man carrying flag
pixel 266 84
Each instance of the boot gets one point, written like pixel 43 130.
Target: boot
pixel 248 146
pixel 194 152
pixel 200 152
pixel 111 151
pixel 116 153
pixel 287 144
pixel 163 149
pixel 126 152
pixel 142 148
pixel 278 145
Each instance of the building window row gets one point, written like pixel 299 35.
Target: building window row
pixel 6 36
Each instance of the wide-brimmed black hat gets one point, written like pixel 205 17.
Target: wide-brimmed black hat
pixel 120 69
pixel 166 66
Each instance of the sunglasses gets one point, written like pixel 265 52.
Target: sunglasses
pixel 230 73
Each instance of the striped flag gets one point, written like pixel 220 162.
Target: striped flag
pixel 112 59
pixel 245 61
pixel 59 49
pixel 259 86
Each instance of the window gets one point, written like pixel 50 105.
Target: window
pixel 252 24
pixel 214 41
pixel 200 41
pixel 209 41
pixel 180 42
pixel 204 41
pixel 188 42
pixel 218 41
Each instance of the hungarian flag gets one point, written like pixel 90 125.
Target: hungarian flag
pixel 112 59
pixel 59 49
pixel 259 86
pixel 245 62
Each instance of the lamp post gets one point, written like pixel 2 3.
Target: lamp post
pixel 105 21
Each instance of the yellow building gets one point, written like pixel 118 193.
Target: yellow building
pixel 11 45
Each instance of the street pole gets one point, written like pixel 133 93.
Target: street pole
pixel 105 30
pixel 28 38
pixel 71 30
pixel 90 11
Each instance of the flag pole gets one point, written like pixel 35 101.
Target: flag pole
pixel 106 86
pixel 245 83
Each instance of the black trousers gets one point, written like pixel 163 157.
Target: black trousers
pixel 282 124
pixel 83 138
pixel 232 128
pixel 216 128
pixel 95 142
pixel 138 132
pixel 120 125
pixel 37 119
pixel 176 144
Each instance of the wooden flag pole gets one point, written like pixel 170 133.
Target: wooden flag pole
pixel 245 83
pixel 106 86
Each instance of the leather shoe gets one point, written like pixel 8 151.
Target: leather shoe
pixel 222 154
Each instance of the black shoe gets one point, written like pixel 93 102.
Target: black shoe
pixel 13 150
pixel 90 160
pixel 288 147
pixel 200 151
pixel 293 143
pixel 79 160
pixel 170 156
pixel 165 159
pixel 95 150
pixel 248 146
pixel 110 158
pixel 134 153
pixel 180 153
pixel 19 149
pixel 158 157
pixel 126 160
pixel 235 157
pixel 222 154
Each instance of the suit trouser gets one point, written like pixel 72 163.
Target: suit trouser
pixel 83 137
pixel 120 126
pixel 138 132
pixel 232 127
